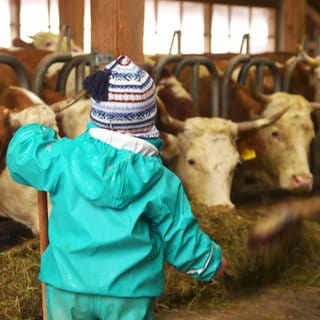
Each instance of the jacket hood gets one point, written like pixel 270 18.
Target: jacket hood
pixel 118 168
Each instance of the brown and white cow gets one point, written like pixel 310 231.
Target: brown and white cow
pixel 48 41
pixel 279 154
pixel 20 202
pixel 202 151
pixel 305 76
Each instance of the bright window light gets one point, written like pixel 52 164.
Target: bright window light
pixel 5 39
pixel 192 28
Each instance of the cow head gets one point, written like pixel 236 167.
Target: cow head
pixel 49 41
pixel 305 77
pixel 203 153
pixel 282 160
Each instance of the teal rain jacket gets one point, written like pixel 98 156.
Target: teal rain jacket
pixel 117 213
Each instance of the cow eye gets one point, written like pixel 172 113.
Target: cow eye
pixel 275 134
pixel 191 162
pixel 48 43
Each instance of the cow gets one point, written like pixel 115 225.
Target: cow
pixel 20 202
pixel 202 151
pixel 30 58
pixel 279 154
pixel 48 41
pixel 303 75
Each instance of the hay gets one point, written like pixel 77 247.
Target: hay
pixel 20 294
pixel 294 259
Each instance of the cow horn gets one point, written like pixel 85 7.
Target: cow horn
pixel 315 105
pixel 64 104
pixel 306 58
pixel 170 124
pixel 264 98
pixel 261 123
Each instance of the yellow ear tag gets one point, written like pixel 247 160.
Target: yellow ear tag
pixel 248 154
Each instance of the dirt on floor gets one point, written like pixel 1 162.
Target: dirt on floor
pixel 274 303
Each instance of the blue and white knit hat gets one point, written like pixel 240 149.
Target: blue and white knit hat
pixel 123 98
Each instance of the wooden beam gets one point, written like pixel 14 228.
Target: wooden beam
pixel 72 13
pixel 15 6
pixel 117 27
pixel 293 23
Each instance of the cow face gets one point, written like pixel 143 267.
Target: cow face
pixel 205 159
pixel 49 41
pixel 283 162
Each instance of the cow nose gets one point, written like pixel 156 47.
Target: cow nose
pixel 302 182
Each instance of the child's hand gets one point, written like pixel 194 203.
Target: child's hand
pixel 220 270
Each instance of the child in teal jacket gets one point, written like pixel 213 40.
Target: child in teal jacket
pixel 117 213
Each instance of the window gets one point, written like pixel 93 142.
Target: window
pixel 170 26
pixel 36 16
pixel 228 25
pixel 5 24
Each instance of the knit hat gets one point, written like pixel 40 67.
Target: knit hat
pixel 123 98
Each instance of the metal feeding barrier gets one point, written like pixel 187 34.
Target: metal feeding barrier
pixel 261 65
pixel 69 63
pixel 18 68
pixel 234 63
pixel 82 65
pixel 43 67
pixel 176 63
pixel 195 62
pixel 166 62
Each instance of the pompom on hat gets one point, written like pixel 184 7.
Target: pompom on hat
pixel 123 99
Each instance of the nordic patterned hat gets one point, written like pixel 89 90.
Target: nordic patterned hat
pixel 123 98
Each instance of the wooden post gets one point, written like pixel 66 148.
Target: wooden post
pixel 44 240
pixel 15 7
pixel 117 27
pixel 72 14
pixel 293 24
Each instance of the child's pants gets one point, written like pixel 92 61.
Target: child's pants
pixel 64 305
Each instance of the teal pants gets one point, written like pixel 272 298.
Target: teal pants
pixel 64 305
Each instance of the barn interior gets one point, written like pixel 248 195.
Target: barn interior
pixel 273 253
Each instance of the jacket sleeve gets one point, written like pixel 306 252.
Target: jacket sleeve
pixel 31 156
pixel 186 246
